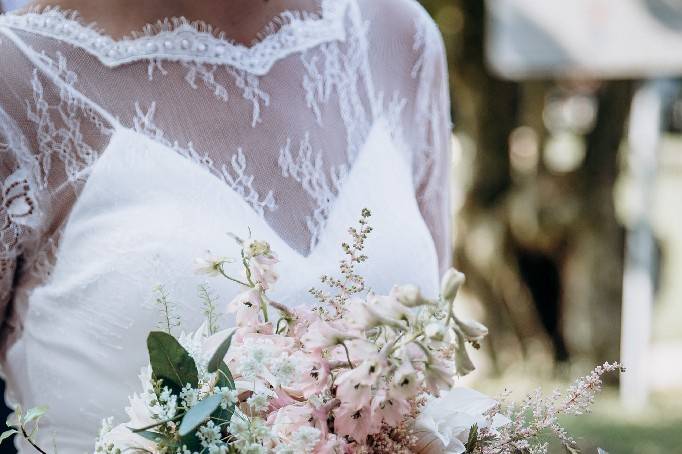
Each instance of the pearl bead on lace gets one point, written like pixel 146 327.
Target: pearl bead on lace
pixel 186 41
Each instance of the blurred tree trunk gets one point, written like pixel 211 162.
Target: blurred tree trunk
pixel 544 253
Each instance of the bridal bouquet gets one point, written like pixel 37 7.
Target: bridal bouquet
pixel 357 372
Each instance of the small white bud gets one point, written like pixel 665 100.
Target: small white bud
pixel 472 330
pixel 450 284
pixel 409 295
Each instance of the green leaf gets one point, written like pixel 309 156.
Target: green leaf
pixel 217 358
pixel 152 436
pixel 6 434
pixel 34 413
pixel 198 414
pixel 472 439
pixel 225 379
pixel 171 362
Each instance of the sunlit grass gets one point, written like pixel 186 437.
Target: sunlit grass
pixel 655 430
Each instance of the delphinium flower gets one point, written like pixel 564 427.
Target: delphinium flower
pixel 360 372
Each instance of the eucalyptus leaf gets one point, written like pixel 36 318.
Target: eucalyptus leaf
pixel 152 436
pixel 34 414
pixel 198 414
pixel 219 355
pixel 6 434
pixel 171 362
pixel 225 379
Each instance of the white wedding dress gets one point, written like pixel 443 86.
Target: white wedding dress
pixel 123 161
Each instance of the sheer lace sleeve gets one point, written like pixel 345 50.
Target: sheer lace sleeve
pixel 19 212
pixel 432 115
pixel 409 64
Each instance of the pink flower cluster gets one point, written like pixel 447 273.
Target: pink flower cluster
pixel 341 374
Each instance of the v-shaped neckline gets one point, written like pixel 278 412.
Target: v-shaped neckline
pixel 378 128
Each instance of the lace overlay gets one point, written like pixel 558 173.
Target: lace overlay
pixel 282 124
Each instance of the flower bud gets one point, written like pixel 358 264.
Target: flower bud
pixel 450 284
pixel 437 332
pixel 463 363
pixel 472 330
pixel 256 248
pixel 409 295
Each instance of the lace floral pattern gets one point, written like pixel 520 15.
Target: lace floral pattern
pixel 307 168
pixel 177 39
pixel 18 210
pixel 280 123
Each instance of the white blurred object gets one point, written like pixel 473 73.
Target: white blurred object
pixel 9 5
pixel 646 124
pixel 600 38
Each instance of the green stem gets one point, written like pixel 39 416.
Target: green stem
pixel 220 268
pixel 176 418
pixel 345 347
pixel 28 439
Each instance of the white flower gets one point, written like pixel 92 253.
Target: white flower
pixel 210 265
pixel 438 332
pixel 437 377
pixel 369 314
pixel 409 295
pixel 122 439
pixel 209 434
pixel 189 396
pixel 323 335
pixel 256 248
pixel 405 381
pixel 450 417
pixel 229 397
pixel 472 330
pixel 258 402
pixel 139 413
pixel 392 312
pixel 246 305
pixel 305 439
pixel 262 261
pixel 284 370
pixel 450 284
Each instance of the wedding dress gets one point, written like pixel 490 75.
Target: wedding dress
pixel 124 160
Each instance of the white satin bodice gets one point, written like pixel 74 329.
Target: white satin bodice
pixel 143 217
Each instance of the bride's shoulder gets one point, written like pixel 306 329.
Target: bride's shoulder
pixel 399 18
pixel 404 29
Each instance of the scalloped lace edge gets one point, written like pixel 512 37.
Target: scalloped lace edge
pixel 179 39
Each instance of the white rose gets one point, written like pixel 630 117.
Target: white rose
pixel 139 413
pixel 127 441
pixel 449 419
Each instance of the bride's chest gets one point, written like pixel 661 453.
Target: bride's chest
pixel 146 213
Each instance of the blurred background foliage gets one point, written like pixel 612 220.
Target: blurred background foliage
pixel 541 194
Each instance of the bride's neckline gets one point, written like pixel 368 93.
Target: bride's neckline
pixel 178 39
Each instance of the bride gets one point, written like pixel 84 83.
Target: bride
pixel 131 147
